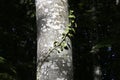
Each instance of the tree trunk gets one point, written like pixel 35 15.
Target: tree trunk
pixel 52 20
pixel 97 73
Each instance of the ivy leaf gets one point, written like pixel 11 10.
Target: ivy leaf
pixel 61 48
pixel 70 35
pixel 71 11
pixel 71 16
pixel 72 21
pixel 76 25
pixel 56 43
pixel 69 25
pixel 63 34
pixel 64 44
pixel 66 47
pixel 73 30
pixel 58 51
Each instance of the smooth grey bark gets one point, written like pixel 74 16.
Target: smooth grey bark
pixel 52 20
pixel 117 2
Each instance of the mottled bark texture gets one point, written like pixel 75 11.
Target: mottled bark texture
pixel 52 19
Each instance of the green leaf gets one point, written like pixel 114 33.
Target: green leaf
pixel 69 25
pixel 6 76
pixel 76 25
pixel 72 21
pixel 70 35
pixel 56 43
pixel 64 44
pixel 66 47
pixel 12 69
pixel 72 29
pixel 98 46
pixel 58 51
pixel 63 34
pixel 71 11
pixel 2 60
pixel 71 16
pixel 61 48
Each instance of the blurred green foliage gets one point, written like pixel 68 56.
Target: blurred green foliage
pixel 97 40
pixel 17 40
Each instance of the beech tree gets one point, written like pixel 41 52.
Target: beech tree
pixel 54 51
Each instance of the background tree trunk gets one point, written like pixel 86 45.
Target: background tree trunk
pixel 52 19
pixel 97 72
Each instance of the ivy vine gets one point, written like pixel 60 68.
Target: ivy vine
pixel 69 31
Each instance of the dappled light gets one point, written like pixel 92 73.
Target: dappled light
pixel 59 40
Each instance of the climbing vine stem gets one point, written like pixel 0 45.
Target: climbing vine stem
pixel 59 46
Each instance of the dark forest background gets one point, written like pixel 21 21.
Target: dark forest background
pixel 96 41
